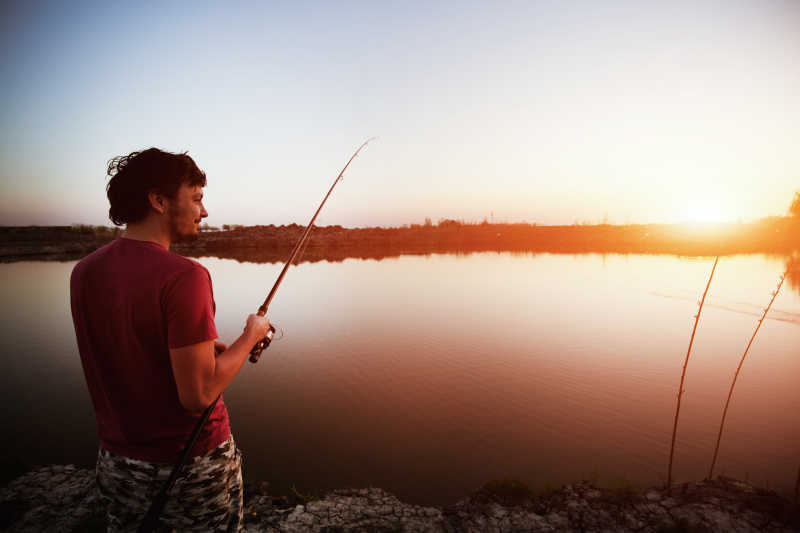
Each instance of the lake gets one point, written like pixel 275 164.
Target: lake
pixel 431 375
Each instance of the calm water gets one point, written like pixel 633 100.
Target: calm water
pixel 430 375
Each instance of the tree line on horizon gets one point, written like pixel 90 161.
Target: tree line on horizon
pixel 792 212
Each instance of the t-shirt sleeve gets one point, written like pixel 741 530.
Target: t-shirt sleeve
pixel 189 308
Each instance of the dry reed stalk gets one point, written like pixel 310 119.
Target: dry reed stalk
pixel 683 375
pixel 736 375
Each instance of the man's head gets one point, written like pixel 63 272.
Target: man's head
pixel 157 183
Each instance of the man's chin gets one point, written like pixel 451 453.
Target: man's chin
pixel 187 237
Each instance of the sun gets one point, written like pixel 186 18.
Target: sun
pixel 707 212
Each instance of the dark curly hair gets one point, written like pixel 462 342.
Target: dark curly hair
pixel 136 174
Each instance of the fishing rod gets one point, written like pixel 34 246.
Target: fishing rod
pixel 261 345
pixel 150 521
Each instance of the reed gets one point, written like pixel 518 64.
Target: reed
pixel 683 375
pixel 738 369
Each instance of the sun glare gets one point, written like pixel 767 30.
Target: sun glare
pixel 706 213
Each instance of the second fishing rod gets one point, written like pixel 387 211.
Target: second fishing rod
pixel 150 522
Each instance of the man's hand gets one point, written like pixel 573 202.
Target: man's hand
pixel 254 325
pixel 203 370
pixel 257 327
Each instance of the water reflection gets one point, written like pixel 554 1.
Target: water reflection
pixel 261 256
pixel 429 375
pixel 793 271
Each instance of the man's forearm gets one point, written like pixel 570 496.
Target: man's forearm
pixel 201 374
pixel 228 364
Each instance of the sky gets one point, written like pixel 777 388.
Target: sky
pixel 552 112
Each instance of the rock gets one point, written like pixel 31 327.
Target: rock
pixel 54 498
pixel 64 498
pixel 653 496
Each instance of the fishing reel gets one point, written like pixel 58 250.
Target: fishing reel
pixel 262 345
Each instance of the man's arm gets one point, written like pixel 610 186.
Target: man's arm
pixel 202 372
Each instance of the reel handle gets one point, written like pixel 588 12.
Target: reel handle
pixel 262 345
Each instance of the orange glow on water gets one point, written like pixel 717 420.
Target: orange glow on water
pixel 429 375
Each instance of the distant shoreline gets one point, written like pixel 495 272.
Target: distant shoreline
pixel 776 235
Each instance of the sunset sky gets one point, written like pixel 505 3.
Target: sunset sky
pixel 550 112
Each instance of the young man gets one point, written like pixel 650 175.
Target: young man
pixel 144 322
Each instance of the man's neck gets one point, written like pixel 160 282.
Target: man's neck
pixel 148 230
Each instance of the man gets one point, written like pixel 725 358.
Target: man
pixel 144 322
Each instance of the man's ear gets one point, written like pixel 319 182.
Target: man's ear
pixel 157 201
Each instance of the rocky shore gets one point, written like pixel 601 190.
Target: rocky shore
pixel 64 498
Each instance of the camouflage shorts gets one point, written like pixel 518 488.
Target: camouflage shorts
pixel 207 495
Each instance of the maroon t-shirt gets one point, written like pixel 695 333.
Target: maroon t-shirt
pixel 131 302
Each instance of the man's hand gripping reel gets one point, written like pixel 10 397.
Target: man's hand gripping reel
pixel 262 345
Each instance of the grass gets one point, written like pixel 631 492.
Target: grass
pixel 302 498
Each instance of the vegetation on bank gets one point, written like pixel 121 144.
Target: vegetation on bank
pixel 774 235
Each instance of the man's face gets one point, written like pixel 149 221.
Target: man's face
pixel 185 212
